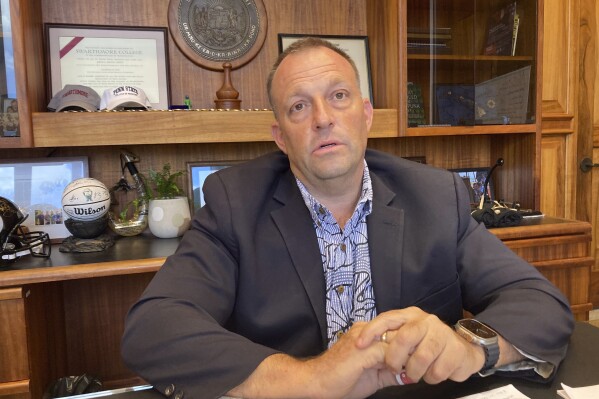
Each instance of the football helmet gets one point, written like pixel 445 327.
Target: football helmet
pixel 15 241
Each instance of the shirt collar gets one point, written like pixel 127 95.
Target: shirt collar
pixel 320 212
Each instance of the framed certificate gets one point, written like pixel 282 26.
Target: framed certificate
pixel 355 46
pixel 103 57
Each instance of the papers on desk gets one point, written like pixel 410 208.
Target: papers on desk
pixel 591 392
pixel 506 392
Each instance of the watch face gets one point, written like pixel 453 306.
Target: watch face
pixel 478 328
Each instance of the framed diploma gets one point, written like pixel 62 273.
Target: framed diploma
pixel 355 46
pixel 103 57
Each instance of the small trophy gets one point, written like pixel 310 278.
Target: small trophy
pixel 227 95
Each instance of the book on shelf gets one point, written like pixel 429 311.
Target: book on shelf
pixel 423 40
pixel 515 33
pixel 501 29
pixel 415 105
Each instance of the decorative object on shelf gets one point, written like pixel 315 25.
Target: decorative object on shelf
pixel 197 173
pixel 504 100
pixel 355 46
pixel 123 98
pixel 80 54
pixel 14 240
pixel 75 98
pixel 187 102
pixel 211 33
pixel 227 96
pixel 86 201
pixel 169 214
pixel 132 219
pixel 455 104
pixel 502 30
pixel 36 186
pixel 416 114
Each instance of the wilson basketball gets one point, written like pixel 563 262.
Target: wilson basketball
pixel 86 199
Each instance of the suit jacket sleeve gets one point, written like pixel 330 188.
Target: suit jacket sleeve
pixel 175 335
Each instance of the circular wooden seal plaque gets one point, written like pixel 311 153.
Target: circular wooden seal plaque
pixel 213 32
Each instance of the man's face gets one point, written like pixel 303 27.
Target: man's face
pixel 322 120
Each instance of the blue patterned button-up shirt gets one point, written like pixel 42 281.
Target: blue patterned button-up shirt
pixel 345 261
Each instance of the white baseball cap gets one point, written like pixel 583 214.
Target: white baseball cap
pixel 75 97
pixel 118 98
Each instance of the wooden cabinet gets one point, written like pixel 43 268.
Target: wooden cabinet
pixel 14 359
pixel 387 23
pixel 561 250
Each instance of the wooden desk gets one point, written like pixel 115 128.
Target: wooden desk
pixel 561 250
pixel 578 369
pixel 65 315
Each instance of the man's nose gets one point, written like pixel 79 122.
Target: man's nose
pixel 322 115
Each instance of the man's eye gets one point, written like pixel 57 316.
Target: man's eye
pixel 340 95
pixel 297 107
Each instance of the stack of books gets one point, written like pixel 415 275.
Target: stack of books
pixel 429 40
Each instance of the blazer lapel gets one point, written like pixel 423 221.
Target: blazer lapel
pixel 299 236
pixel 385 241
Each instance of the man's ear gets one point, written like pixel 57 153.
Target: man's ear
pixel 277 135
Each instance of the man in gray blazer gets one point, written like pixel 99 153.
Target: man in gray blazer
pixel 329 270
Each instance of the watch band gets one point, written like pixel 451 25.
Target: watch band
pixel 480 334
pixel 491 356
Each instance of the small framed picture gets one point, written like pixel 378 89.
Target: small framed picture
pixel 196 175
pixel 474 179
pixel 10 117
pixel 355 46
pixel 36 186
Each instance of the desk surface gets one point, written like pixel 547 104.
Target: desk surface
pixel 580 368
pixel 146 253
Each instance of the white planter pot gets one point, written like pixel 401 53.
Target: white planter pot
pixel 169 218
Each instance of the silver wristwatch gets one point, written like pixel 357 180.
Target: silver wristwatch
pixel 478 333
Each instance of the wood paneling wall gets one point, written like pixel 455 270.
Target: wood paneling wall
pixel 560 88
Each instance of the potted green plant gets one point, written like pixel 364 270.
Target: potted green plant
pixel 169 214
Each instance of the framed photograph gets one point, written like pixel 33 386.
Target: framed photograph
pixel 474 179
pixel 355 46
pixel 36 186
pixel 103 57
pixel 10 117
pixel 196 175
pixel 454 104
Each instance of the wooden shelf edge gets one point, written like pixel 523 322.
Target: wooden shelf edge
pixel 14 387
pixel 470 130
pixel 74 129
pixel 551 228
pixel 73 272
pixel 458 57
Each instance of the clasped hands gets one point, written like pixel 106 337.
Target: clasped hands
pixel 417 346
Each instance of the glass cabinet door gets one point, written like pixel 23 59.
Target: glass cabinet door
pixel 471 62
pixel 9 108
